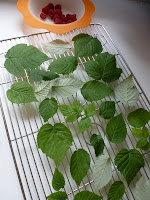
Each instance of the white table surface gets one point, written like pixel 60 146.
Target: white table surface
pixel 127 22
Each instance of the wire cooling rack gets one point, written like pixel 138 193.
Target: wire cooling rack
pixel 22 123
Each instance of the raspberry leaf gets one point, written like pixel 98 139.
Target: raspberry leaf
pixel 95 90
pixel 146 147
pixel 98 143
pixel 137 132
pixel 90 110
pixel 64 65
pixel 104 67
pixel 57 196
pixel 107 109
pixel 86 195
pixel 107 62
pixel 58 181
pixel 139 118
pixel 126 92
pixel 84 124
pixel 21 92
pixel 141 143
pixel 22 57
pixel 144 132
pixel 102 171
pixel 79 165
pixel 86 45
pixel 39 75
pixel 93 70
pixel 65 87
pixel 54 141
pixel 116 191
pixel 129 162
pixel 71 112
pixel 116 129
pixel 47 108
pixel 142 189
pixel 57 46
pixel 42 90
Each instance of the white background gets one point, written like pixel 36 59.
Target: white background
pixel 127 22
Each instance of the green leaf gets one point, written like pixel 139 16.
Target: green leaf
pixel 54 141
pixel 58 181
pixel 64 65
pixel 102 172
pixel 65 87
pixel 57 196
pixel 139 118
pixel 116 191
pixel 90 110
pixel 21 92
pixel 142 189
pixel 104 67
pixel 98 143
pixel 86 195
pixel 57 46
pixel 126 92
pixel 71 112
pixel 84 124
pixel 141 143
pixel 107 109
pixel 22 57
pixel 79 165
pixel 116 129
pixel 48 108
pixel 145 132
pixel 42 90
pixel 14 67
pixel 93 69
pixel 95 90
pixel 107 62
pixel 146 147
pixel 39 75
pixel 129 162
pixel 86 45
pixel 137 132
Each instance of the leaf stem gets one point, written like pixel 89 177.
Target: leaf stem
pixel 146 153
pixel 77 189
pixel 97 125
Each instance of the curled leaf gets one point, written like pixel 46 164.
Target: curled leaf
pixel 57 46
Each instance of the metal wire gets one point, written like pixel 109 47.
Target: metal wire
pixel 22 123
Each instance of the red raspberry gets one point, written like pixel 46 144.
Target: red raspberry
pixel 62 17
pixel 64 22
pixel 43 15
pixel 56 17
pixel 51 13
pixel 51 6
pixel 65 19
pixel 58 21
pixel 73 17
pixel 58 6
pixel 58 12
pixel 68 16
pixel 70 21
pixel 45 10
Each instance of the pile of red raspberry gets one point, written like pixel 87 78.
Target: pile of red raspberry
pixel 56 14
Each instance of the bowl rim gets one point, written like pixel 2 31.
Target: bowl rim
pixel 31 20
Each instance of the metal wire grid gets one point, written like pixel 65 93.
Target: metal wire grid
pixel 22 123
